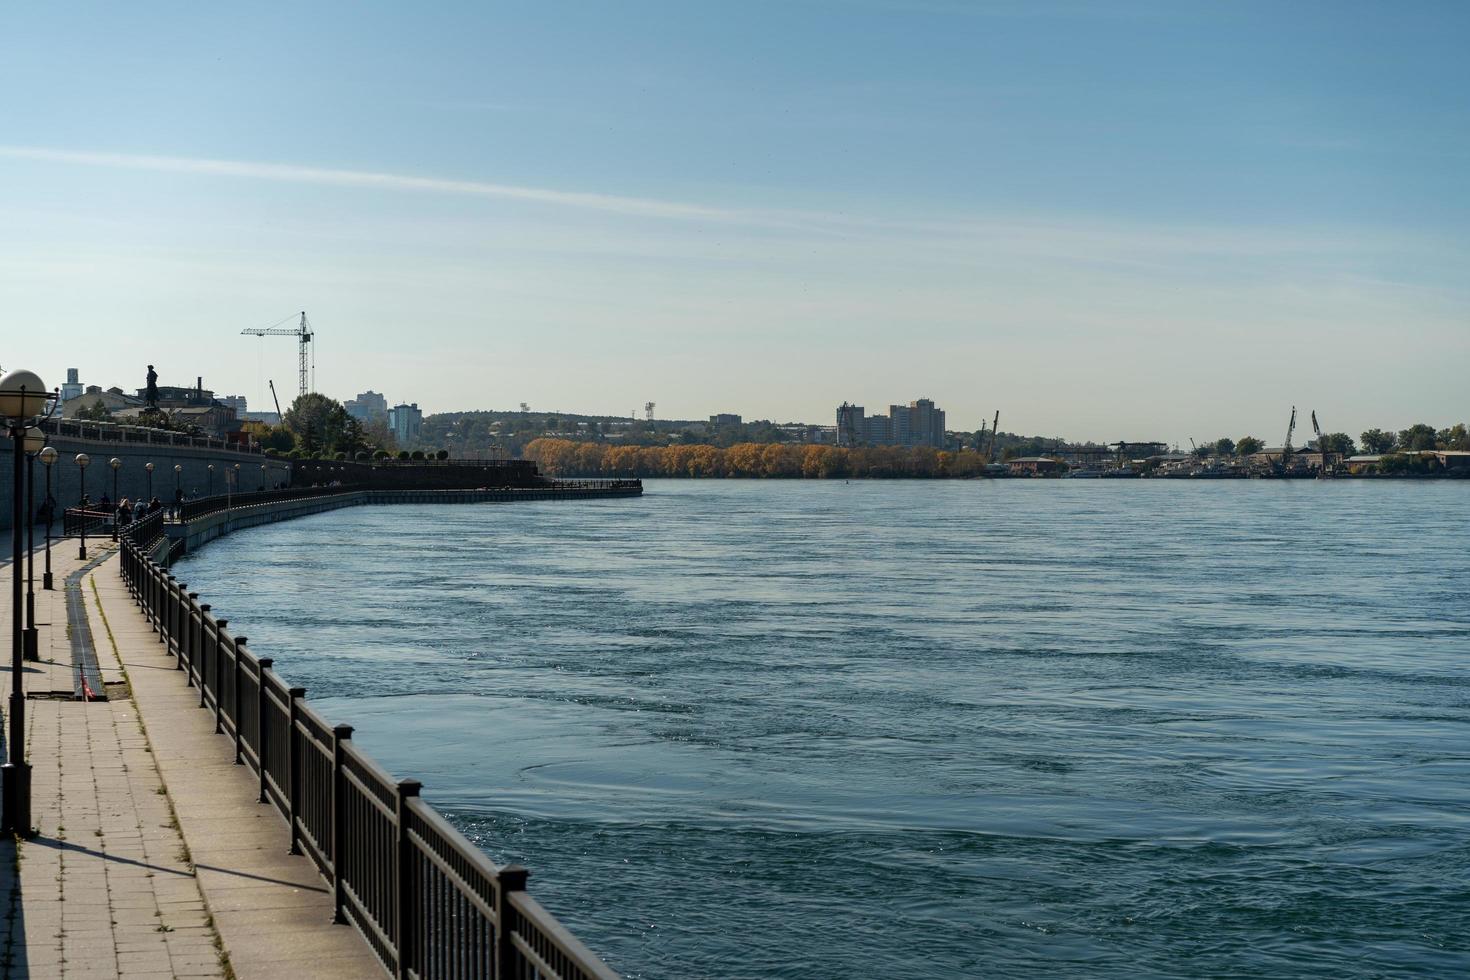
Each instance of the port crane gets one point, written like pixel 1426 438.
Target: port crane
pixel 1326 469
pixel 994 427
pixel 302 332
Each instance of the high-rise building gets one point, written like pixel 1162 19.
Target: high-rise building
pixel 919 423
pixel 367 406
pixel 405 422
pixel 925 424
pixel 73 386
pixel 237 402
pixel 850 427
pixel 724 418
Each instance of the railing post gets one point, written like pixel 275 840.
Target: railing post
pixel 407 912
pixel 511 878
pixel 186 636
pixel 235 694
pixel 197 666
pixel 262 732
pixel 164 611
pixel 219 628
pixel 293 766
pixel 340 734
pixel 176 623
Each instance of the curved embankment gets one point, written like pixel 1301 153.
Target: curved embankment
pixel 213 517
pixel 427 901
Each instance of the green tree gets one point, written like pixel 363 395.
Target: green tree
pixel 1419 436
pixel 1224 447
pixel 1378 441
pixel 1248 445
pixel 279 438
pixel 322 426
pixel 95 412
pixel 1337 442
pixel 1456 438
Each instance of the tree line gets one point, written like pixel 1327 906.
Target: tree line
pixel 565 457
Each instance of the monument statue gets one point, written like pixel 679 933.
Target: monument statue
pixel 152 393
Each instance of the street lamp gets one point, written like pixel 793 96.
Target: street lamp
pixel 149 468
pixel 35 441
pixel 262 477
pixel 210 491
pixel 82 460
pixel 178 486
pixel 48 458
pixel 23 397
pixel 116 465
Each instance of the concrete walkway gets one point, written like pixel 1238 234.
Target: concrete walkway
pixel 153 858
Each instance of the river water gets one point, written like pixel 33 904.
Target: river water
pixel 920 729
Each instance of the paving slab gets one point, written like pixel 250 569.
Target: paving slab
pixel 152 856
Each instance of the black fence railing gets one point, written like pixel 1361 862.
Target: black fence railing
pixel 430 904
pixel 141 435
pixel 506 463
pixel 632 484
pixel 204 506
pixel 94 519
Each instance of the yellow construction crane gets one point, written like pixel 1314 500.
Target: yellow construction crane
pixel 303 334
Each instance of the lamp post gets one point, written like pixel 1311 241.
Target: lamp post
pixel 149 468
pixel 35 441
pixel 82 460
pixel 116 465
pixel 48 459
pixel 262 477
pixel 22 398
pixel 210 491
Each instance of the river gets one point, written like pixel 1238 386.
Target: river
pixel 911 729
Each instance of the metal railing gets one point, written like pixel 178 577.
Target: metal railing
pixel 94 518
pixel 204 506
pixel 141 434
pixel 430 904
pixel 626 484
pixel 506 463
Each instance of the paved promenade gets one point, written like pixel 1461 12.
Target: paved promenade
pixel 153 857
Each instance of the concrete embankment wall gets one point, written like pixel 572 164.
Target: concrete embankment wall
pixel 197 532
pixel 132 476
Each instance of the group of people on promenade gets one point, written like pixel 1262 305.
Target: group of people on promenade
pixel 128 511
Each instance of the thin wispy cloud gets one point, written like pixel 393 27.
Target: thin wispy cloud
pixel 367 179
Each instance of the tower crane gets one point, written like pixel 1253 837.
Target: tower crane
pixel 1286 448
pixel 302 332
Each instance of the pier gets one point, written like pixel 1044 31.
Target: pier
pixel 194 816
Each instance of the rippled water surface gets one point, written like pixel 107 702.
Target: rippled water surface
pixel 915 729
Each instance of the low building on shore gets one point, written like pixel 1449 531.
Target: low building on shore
pixel 1036 466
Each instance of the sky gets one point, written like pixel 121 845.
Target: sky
pixel 1106 220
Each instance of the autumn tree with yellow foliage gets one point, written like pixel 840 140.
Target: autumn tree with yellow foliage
pixel 751 460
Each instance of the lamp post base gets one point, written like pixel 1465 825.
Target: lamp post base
pixel 31 643
pixel 82 552
pixel 15 788
pixel 46 583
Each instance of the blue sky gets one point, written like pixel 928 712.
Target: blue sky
pixel 1105 219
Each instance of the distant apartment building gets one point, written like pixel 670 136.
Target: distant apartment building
pixel 405 422
pixel 237 402
pixel 367 406
pixel 724 418
pixel 73 387
pixel 919 423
